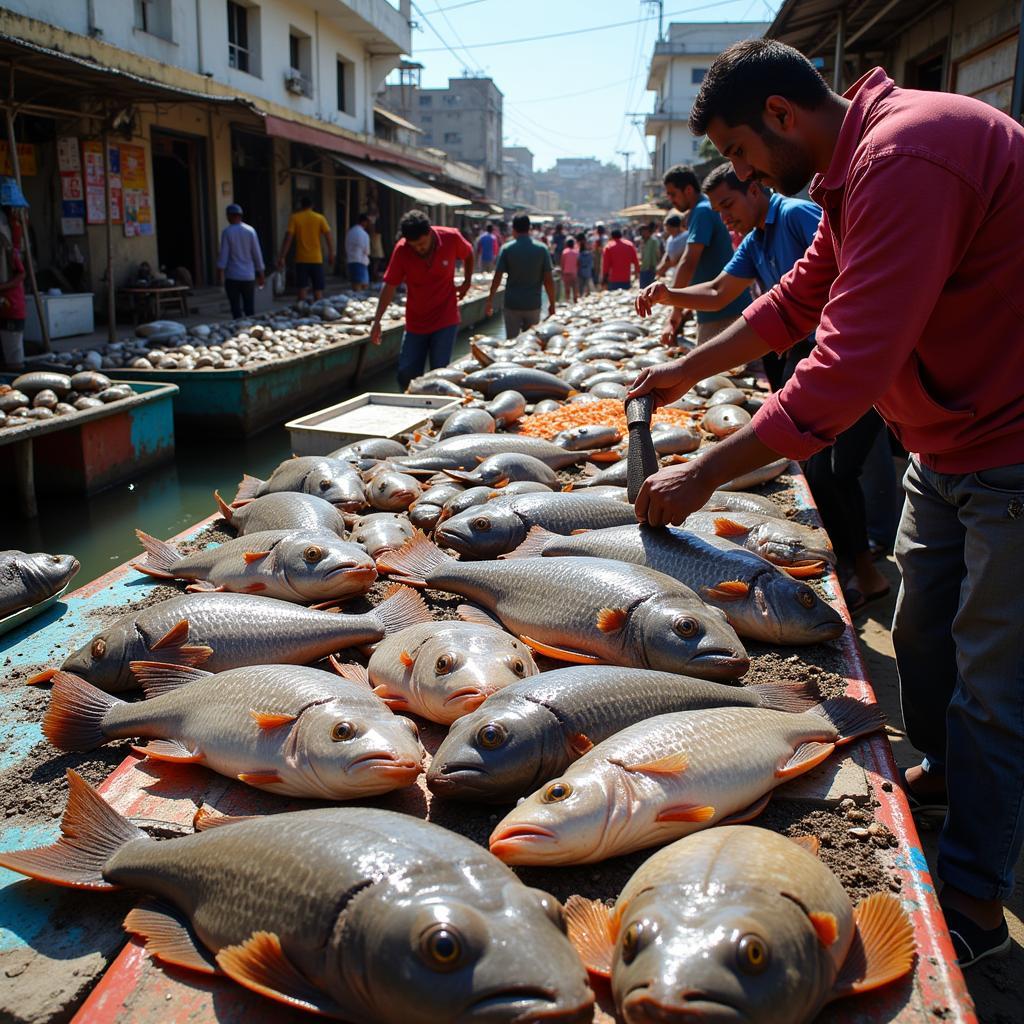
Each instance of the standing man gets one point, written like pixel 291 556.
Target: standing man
pixel 424 261
pixel 650 254
pixel 708 250
pixel 528 265
pixel 487 249
pixel 357 253
pixel 617 262
pixel 307 228
pixel 240 264
pixel 675 243
pixel 558 242
pixel 929 328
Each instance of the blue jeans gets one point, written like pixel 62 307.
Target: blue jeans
pixel 960 654
pixel 416 347
pixel 358 273
pixel 646 278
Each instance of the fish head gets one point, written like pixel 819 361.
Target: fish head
pixel 791 544
pixel 321 566
pixel 455 671
pixel 345 753
pixel 684 635
pixel 340 485
pixel 459 950
pixel 393 491
pixel 41 573
pixel 103 661
pixel 745 956
pixel 482 532
pixel 785 610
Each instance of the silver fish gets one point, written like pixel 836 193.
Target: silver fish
pixel 504 468
pixel 27 579
pixel 331 479
pixel 590 436
pixel 782 541
pixel 723 420
pixel 466 450
pixel 285 510
pixel 393 492
pixel 467 421
pixel 381 531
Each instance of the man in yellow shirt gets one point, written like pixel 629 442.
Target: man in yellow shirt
pixel 307 227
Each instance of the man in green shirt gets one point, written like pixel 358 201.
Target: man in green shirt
pixel 528 265
pixel 650 255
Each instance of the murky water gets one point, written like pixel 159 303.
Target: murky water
pixel 100 531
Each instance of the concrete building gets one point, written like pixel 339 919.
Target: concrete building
pixel 677 69
pixel 517 184
pixel 465 120
pixel 587 189
pixel 201 103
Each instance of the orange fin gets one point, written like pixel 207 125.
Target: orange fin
pixel 203 587
pixel 260 964
pixel 254 588
pixel 206 818
pixel 271 720
pixel 169 936
pixel 226 511
pixel 561 653
pixel 593 931
pixel 532 545
pixel 414 561
pixel 826 926
pixel 254 556
pixel 882 948
pixel 727 590
pixel 471 613
pixel 686 812
pixel 42 677
pixel 157 677
pixel 393 700
pixel 580 743
pixel 730 528
pixel 349 670
pixel 812 844
pixel 161 557
pixel 804 572
pixel 260 778
pixel 174 637
pixel 168 750
pixel 804 758
pixel 670 764
pixel 401 607
pixel 610 620
pixel 406 659
pixel 74 718
pixel 749 812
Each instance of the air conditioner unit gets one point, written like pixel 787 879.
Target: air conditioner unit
pixel 296 82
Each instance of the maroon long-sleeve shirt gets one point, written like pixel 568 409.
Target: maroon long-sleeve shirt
pixel 917 276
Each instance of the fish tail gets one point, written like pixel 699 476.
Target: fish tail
pixel 462 477
pixel 794 697
pixel 414 561
pixel 74 719
pixel 533 545
pixel 91 833
pixel 850 717
pixel 401 607
pixel 161 557
pixel 248 487
pixel 226 511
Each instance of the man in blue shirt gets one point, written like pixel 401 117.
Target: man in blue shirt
pixel 708 250
pixel 240 264
pixel 487 249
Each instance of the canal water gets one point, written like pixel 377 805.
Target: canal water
pixel 100 531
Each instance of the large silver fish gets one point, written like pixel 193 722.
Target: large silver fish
pixel 289 729
pixel 671 775
pixel 530 383
pixel 787 543
pixel 27 579
pixel 466 450
pixel 333 480
pixel 283 510
pixel 381 531
pixel 739 924
pixel 351 913
pixel 531 731
pixel 505 468
pixel 588 610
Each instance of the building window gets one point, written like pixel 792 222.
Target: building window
pixel 428 137
pixel 426 101
pixel 453 138
pixel 427 118
pixel 450 101
pixel 346 86
pixel 298 79
pixel 242 37
pixel 154 17
pixel 697 75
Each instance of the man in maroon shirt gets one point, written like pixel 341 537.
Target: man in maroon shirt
pixel 618 260
pixel 921 316
pixel 424 260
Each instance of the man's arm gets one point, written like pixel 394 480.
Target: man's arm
pixel 387 293
pixel 285 246
pixel 708 297
pixel 329 239
pixel 684 272
pixel 549 287
pixel 467 273
pixel 222 259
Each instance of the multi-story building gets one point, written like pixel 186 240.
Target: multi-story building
pixel 517 186
pixel 201 103
pixel 588 190
pixel 465 120
pixel 677 69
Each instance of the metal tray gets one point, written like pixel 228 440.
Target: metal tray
pixel 15 619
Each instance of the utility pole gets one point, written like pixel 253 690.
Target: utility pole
pixel 626 154
pixel 660 4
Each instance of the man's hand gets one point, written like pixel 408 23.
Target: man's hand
pixel 464 288
pixel 671 494
pixel 280 263
pixel 220 276
pixel 551 309
pixel 650 297
pixel 330 259
pixel 489 308
pixel 666 381
pixel 261 279
pixel 375 333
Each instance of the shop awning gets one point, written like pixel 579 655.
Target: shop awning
pixel 398 122
pixel 400 181
pixel 643 210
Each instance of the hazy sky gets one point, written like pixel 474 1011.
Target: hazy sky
pixel 568 91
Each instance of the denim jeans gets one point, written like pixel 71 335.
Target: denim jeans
pixel 646 278
pixel 412 359
pixel 959 647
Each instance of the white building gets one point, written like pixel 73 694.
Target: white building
pixel 678 66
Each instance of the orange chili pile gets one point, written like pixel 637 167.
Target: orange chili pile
pixel 608 412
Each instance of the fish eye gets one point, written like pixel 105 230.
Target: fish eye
pixel 313 553
pixel 554 910
pixel 519 667
pixel 557 792
pixel 444 665
pixel 55 559
pixel 687 627
pixel 98 648
pixel 343 731
pixel 631 942
pixel 806 598
pixel 413 727
pixel 751 954
pixel 441 947
pixel 492 735
pixel 481 523
pixel 325 485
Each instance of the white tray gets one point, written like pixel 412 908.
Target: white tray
pixel 15 619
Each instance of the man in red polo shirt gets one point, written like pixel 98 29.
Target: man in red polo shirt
pixel 914 278
pixel 618 260
pixel 424 260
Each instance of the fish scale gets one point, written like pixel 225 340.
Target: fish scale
pixel 464 451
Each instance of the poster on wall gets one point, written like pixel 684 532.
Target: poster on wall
pixel 95 185
pixel 138 211
pixel 72 190
pixel 26 159
pixel 116 199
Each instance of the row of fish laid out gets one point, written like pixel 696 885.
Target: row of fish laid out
pixel 42 395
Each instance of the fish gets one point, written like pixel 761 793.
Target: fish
pixel 466 450
pixel 740 501
pixel 393 492
pixel 590 436
pixel 318 909
pixel 723 420
pixel 287 729
pixel 545 405
pixel 727 396
pixel 783 541
pixel 88 381
pixel 290 565
pixel 532 384
pixel 331 479
pixel 709 385
pixel 370 448
pixel 434 386
pixel 469 498
pixel 504 468
pixel 26 579
pixel 671 775
pixel 586 610
pixel 506 407
pixel 760 600
pixel 607 389
pixel 739 923
pixel 522 487
pixel 223 631
pixel 34 381
pixel 442 670
pixel 670 439
pixel 380 531
pixel 284 510
pixel 502 525
pixel 761 475
pixel 616 475
pixel 531 731
pixel 467 421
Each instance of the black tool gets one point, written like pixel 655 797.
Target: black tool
pixel 642 459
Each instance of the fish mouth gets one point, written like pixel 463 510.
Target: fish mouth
pixel 471 696
pixel 721 657
pixel 641 1006
pixel 529 1003
pixel 516 836
pixel 383 761
pixel 448 775
pixel 349 504
pixel 831 630
pixel 356 572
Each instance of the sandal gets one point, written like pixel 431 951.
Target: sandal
pixel 921 804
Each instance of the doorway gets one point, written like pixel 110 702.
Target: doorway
pixel 179 190
pixel 252 165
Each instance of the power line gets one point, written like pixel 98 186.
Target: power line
pixel 455 7
pixel 573 95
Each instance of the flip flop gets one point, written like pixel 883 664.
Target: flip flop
pixel 856 601
pixel 923 805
